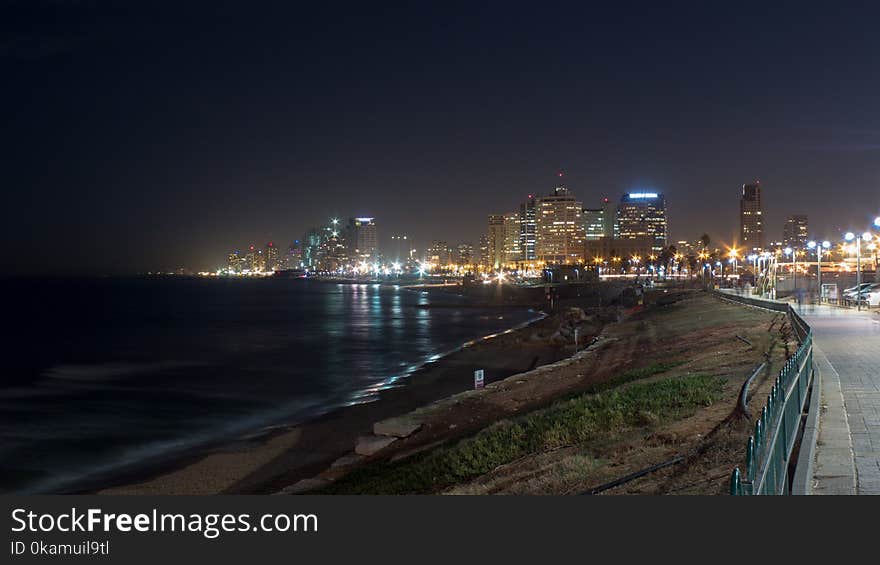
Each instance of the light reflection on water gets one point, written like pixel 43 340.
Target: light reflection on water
pixel 131 368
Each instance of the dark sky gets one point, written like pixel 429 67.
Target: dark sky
pixel 145 135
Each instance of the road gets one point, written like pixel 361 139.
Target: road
pixel 847 353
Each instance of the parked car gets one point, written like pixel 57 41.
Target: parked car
pixel 870 295
pixel 853 290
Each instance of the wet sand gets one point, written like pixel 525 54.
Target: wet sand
pixel 286 456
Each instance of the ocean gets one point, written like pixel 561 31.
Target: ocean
pixel 104 375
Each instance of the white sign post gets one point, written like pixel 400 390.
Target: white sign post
pixel 478 378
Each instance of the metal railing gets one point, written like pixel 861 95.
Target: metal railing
pixel 769 449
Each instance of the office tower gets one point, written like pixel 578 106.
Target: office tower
pixel 559 228
pixel 795 232
pixel 642 215
pixel 311 243
pixel 361 241
pixel 609 217
pixel 512 237
pixel 332 253
pixel 484 251
pixel 527 229
pixel 271 255
pixel 259 261
pixel 496 241
pixel 250 259
pixel 751 218
pixel 465 254
pixel 594 223
pixel 233 262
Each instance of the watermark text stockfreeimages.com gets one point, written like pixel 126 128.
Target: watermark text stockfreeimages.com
pixel 210 526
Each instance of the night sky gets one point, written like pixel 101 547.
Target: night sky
pixel 144 135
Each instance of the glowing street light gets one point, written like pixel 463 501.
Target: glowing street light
pixel 819 247
pixel 866 236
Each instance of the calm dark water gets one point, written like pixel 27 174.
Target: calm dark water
pixel 105 374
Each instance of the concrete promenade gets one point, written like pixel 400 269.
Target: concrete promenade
pixel 847 354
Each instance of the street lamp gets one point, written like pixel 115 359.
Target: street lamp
pixel 819 248
pixel 850 236
pixel 793 253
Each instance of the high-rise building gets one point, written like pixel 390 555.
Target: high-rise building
pixel 259 261
pixel 271 256
pixel 795 232
pixel 484 251
pixel 495 237
pixel 751 217
pixel 464 254
pixel 512 237
pixel 559 228
pixel 311 244
pixel 609 216
pixel 360 235
pixel 332 253
pixel 527 228
pixel 250 259
pixel 594 223
pixel 642 215
pixel 234 262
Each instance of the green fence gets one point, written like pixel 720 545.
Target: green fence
pixel 769 449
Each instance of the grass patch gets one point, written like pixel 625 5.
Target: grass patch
pixel 632 375
pixel 581 419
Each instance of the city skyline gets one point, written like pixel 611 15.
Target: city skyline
pixel 163 150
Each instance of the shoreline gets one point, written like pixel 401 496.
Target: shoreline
pixel 249 463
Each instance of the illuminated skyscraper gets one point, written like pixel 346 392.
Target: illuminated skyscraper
pixel 464 254
pixel 751 217
pixel 361 239
pixel 795 232
pixel 234 262
pixel 594 223
pixel 642 215
pixel 527 228
pixel 271 256
pixel 495 238
pixel 559 228
pixel 484 251
pixel 310 247
pixel 609 216
pixel 250 259
pixel 512 238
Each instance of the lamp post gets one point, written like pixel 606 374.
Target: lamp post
pixel 789 251
pixel 876 245
pixel 850 236
pixel 819 248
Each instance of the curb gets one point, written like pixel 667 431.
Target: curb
pixel 803 471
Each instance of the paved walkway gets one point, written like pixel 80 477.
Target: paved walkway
pixel 847 353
